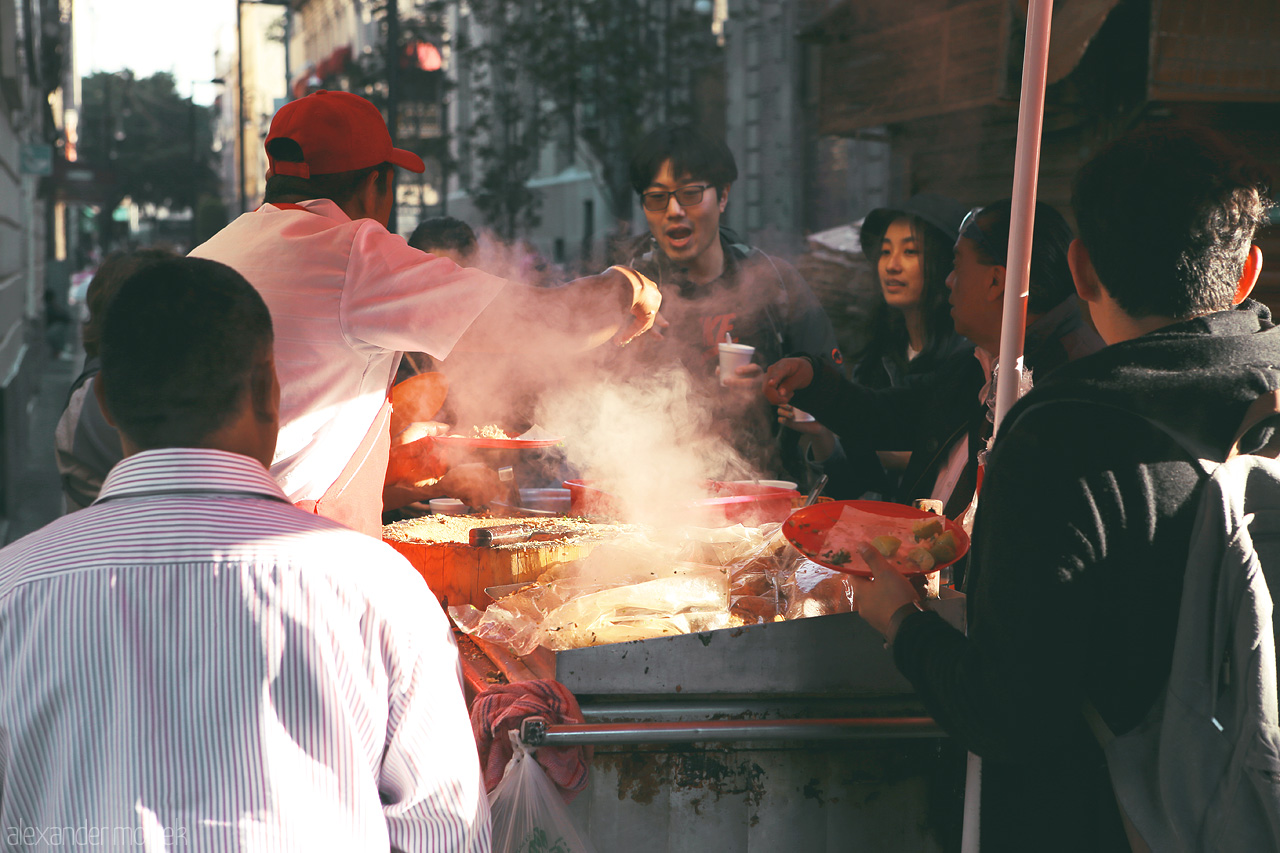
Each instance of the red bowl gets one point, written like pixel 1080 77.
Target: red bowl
pixel 806 529
pixel 748 504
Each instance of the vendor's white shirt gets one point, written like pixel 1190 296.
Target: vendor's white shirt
pixel 346 298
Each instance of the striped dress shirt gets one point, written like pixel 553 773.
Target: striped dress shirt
pixel 192 662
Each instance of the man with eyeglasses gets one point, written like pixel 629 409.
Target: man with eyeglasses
pixel 716 289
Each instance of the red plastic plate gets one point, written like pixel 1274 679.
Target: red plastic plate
pixel 497 443
pixel 807 528
pixel 747 503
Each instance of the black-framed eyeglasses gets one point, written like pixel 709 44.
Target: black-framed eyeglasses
pixel 970 228
pixel 687 196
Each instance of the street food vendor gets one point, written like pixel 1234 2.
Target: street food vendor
pixel 347 297
pixel 717 289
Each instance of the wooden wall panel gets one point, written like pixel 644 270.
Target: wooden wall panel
pixel 922 65
pixel 1226 50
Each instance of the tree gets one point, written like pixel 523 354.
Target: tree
pixel 410 95
pixel 507 133
pixel 606 71
pixel 156 144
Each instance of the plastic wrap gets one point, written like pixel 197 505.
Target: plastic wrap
pixel 631 589
pixel 638 587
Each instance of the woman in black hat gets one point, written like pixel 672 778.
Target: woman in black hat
pixel 911 329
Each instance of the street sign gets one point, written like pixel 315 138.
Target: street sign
pixel 78 182
pixel 37 159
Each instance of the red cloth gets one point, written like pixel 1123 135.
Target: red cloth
pixel 503 707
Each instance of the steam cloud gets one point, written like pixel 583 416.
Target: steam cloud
pixel 650 441
pixel 636 420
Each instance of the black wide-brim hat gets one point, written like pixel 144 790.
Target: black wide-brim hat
pixel 941 212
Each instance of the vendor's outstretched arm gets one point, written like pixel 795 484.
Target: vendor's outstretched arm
pixel 617 304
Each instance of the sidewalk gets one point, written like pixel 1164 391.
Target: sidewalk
pixel 38 481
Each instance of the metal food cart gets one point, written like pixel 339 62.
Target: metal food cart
pixel 797 735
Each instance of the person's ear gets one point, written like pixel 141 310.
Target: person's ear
pixel 1083 275
pixel 995 290
pixel 1249 276
pixel 376 187
pixel 366 197
pixel 100 393
pixel 264 392
pixel 724 196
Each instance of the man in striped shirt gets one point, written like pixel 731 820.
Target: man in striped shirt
pixel 194 662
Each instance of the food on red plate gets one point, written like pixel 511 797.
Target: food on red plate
pixel 486 431
pixel 926 528
pixel 944 548
pixel 910 543
pixel 886 545
pixel 922 558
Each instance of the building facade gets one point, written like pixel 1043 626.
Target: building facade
pixel 34 92
pixel 251 69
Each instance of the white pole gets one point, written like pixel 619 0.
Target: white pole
pixel 1026 171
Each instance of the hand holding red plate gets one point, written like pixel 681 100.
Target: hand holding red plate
pixel 880 595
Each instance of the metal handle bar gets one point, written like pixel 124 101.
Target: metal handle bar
pixel 535 731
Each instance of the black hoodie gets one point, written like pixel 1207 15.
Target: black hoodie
pixel 1079 545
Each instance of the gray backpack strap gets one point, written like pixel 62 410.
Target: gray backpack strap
pixel 1267 406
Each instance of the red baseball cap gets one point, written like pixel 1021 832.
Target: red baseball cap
pixel 338 132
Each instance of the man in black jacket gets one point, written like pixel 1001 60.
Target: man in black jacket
pixel 1083 528
pixel 943 418
pixel 717 289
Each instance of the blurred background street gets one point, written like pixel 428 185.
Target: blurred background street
pixel 37 481
pixel 123 130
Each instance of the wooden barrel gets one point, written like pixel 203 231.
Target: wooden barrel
pixel 439 547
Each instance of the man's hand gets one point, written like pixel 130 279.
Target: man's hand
pixel 474 484
pixel 643 306
pixel 880 596
pixel 787 418
pixel 785 377
pixel 417 430
pixel 746 377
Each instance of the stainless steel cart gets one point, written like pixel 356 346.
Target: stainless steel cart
pixel 788 736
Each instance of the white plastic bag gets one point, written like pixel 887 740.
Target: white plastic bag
pixel 528 814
